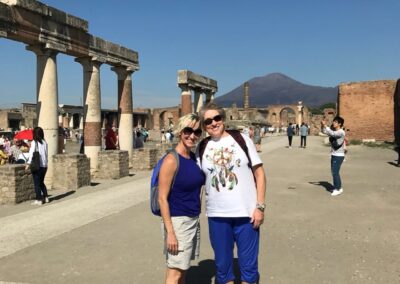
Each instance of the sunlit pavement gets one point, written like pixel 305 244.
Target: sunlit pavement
pixel 106 234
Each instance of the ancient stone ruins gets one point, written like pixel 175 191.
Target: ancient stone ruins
pixel 371 109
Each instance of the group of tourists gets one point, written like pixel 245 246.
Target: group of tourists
pixel 13 151
pixel 293 130
pixel 28 152
pixel 227 164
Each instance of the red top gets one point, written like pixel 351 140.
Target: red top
pixel 111 140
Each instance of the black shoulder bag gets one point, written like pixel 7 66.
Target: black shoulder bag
pixel 35 162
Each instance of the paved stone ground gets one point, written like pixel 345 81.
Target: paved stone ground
pixel 105 234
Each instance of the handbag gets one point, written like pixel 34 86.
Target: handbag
pixel 35 162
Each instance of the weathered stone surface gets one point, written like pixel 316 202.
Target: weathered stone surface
pixel 144 159
pixel 193 80
pixel 35 23
pixel 368 109
pixel 113 164
pixel 71 171
pixel 16 184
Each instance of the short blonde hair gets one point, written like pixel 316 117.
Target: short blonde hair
pixel 188 120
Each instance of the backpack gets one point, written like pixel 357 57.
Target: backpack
pixel 238 138
pixel 155 207
pixel 334 144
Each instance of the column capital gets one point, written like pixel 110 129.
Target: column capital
pixel 89 61
pixel 122 71
pixel 40 50
pixel 184 87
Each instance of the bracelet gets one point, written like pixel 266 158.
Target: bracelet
pixel 261 206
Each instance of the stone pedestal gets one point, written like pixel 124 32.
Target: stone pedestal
pixel 144 159
pixel 71 171
pixel 113 164
pixel 16 184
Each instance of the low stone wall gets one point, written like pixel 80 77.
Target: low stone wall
pixel 16 184
pixel 113 164
pixel 71 171
pixel 144 158
pixel 164 147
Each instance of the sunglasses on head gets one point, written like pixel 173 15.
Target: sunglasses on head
pixel 188 131
pixel 216 118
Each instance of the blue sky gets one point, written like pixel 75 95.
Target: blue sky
pixel 317 42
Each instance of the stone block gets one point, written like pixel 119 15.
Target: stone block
pixel 16 184
pixel 71 171
pixel 112 164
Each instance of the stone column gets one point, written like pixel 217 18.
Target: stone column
pixel 91 109
pixel 81 122
pixel 125 109
pixel 198 100
pixel 186 99
pixel 65 122
pixel 300 113
pixel 246 96
pixel 47 102
pixel 71 121
pixel 209 96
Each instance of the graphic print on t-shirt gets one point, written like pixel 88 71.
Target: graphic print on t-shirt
pixel 223 163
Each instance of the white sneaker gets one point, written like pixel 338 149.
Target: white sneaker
pixel 337 192
pixel 46 200
pixel 36 202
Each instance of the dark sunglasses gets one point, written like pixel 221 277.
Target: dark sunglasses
pixel 188 131
pixel 216 118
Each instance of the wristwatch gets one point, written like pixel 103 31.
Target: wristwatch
pixel 261 206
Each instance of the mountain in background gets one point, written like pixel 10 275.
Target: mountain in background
pixel 277 88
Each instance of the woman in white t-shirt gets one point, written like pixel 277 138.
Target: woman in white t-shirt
pixel 235 195
pixel 39 145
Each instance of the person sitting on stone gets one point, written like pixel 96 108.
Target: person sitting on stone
pixel 3 155
pixel 23 155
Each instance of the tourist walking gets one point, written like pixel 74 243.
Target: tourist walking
pixel 303 135
pixel 235 196
pixel 336 138
pixel 179 200
pixel 290 133
pixel 257 138
pixel 39 145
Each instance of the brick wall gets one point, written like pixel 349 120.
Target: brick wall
pixel 16 184
pixel 368 109
pixel 71 171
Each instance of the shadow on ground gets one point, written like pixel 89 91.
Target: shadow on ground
pixel 394 164
pixel 328 186
pixel 61 196
pixel 205 271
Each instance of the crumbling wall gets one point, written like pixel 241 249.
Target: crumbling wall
pixel 368 109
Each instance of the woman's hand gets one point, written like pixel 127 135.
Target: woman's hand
pixel 172 243
pixel 257 219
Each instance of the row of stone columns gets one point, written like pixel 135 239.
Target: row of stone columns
pixel 47 104
pixel 186 100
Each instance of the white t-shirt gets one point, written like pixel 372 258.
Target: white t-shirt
pixel 230 189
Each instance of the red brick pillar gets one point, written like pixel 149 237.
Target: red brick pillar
pixel 125 109
pixel 92 109
pixel 186 99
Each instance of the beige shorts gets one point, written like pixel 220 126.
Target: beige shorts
pixel 187 232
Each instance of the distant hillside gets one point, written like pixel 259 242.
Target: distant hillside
pixel 277 88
